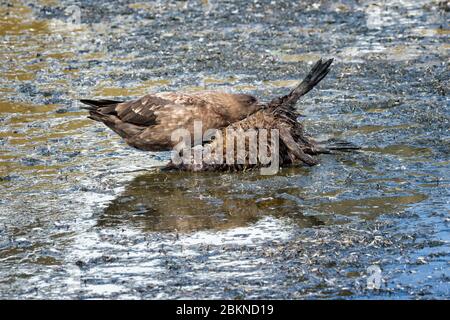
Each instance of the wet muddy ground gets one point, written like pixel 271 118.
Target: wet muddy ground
pixel 84 216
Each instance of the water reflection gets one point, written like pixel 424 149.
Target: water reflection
pixel 184 202
pixel 370 208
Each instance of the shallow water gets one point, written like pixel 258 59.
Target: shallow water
pixel 84 216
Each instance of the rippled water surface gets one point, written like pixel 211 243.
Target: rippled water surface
pixel 82 215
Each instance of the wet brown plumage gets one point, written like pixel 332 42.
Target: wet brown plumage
pixel 295 147
pixel 148 122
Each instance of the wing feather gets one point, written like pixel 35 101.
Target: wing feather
pixel 142 110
